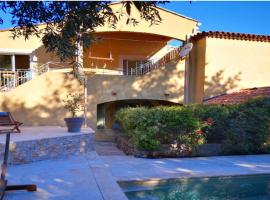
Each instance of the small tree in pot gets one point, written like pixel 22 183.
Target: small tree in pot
pixel 74 104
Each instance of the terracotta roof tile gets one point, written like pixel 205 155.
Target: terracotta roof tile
pixel 239 96
pixel 231 35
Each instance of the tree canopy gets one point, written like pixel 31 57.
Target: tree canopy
pixel 68 23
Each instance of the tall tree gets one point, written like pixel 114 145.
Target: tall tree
pixel 68 23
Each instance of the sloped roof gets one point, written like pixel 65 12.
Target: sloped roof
pixel 239 96
pixel 232 35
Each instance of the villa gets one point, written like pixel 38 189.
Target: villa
pixel 129 66
pixel 199 152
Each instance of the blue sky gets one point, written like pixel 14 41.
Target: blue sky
pixel 245 17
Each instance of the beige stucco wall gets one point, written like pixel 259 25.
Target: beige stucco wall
pixel 7 42
pixel 39 101
pixel 194 76
pixel 155 85
pixel 236 64
pixel 32 47
pixel 225 65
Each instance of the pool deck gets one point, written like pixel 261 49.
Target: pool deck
pixel 125 168
pixel 94 175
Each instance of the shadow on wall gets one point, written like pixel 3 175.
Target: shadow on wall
pixel 170 80
pixel 39 101
pixel 161 84
pixel 218 84
pixel 165 84
pixel 43 56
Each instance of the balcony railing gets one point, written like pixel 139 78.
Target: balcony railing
pixel 149 66
pixel 10 79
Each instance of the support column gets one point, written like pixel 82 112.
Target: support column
pixel 13 67
pixel 13 63
pixel 33 64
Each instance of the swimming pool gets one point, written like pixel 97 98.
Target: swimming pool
pixel 250 187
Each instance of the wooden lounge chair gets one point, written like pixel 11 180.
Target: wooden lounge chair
pixel 7 126
pixel 7 120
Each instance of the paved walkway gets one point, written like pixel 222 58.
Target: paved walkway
pixel 73 178
pixel 93 176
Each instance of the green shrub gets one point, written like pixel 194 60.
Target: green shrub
pixel 244 128
pixel 218 115
pixel 150 127
pixel 146 139
pixel 248 126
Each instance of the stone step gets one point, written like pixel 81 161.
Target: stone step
pixel 107 149
pixel 105 135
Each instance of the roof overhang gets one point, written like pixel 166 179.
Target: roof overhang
pixel 7 51
pixel 172 25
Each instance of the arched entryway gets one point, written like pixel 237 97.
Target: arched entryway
pixel 106 111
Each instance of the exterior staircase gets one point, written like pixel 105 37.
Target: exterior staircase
pixel 11 79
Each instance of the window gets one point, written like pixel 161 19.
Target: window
pixel 5 61
pixel 132 67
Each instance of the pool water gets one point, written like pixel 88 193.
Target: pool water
pixel 251 187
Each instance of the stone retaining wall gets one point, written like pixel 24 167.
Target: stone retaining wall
pixel 22 152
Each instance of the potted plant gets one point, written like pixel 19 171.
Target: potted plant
pixel 74 104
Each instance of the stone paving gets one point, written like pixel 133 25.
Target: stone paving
pixel 124 168
pixel 82 177
pixel 94 175
pixel 90 176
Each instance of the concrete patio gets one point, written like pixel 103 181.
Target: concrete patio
pixel 94 177
pixel 93 174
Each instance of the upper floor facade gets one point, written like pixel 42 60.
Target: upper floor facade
pixel 123 50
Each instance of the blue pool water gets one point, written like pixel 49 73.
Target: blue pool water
pixel 251 187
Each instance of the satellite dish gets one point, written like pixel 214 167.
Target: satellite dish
pixel 185 50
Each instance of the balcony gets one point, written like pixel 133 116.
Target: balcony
pixel 10 79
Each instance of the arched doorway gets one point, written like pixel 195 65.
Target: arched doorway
pixel 106 111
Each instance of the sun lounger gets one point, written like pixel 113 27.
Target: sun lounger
pixel 7 126
pixel 6 120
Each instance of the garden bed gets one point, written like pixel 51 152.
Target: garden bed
pixel 168 151
pixel 195 130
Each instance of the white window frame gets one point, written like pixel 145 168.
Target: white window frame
pixel 129 57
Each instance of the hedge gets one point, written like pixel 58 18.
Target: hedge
pixel 244 128
pixel 148 128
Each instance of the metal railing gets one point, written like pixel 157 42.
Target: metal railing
pixel 149 66
pixel 10 79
